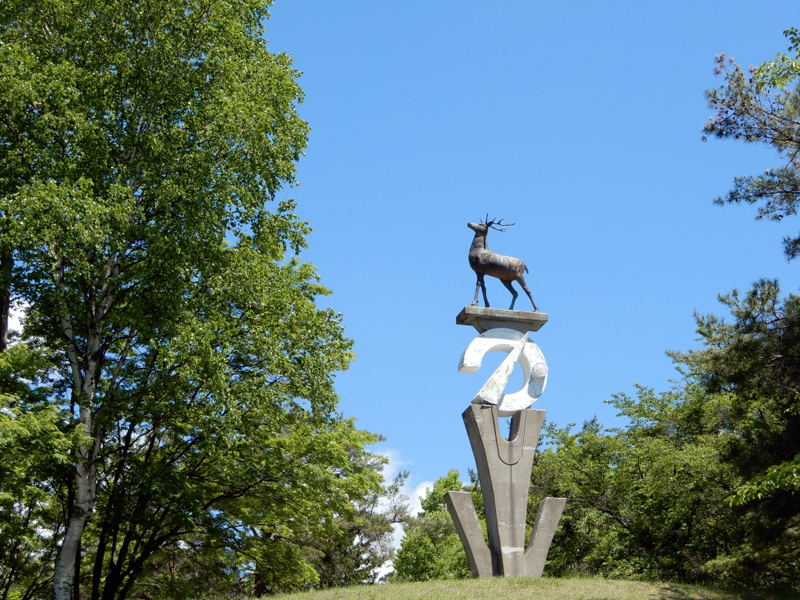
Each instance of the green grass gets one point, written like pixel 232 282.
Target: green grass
pixel 539 589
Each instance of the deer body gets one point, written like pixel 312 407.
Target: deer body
pixel 485 262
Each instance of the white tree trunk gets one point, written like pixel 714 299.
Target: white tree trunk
pixel 85 488
pixel 85 470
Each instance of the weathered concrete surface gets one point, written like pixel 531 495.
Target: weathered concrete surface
pixel 461 509
pixel 483 319
pixel 544 528
pixel 520 349
pixel 504 469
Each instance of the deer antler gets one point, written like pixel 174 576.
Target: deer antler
pixel 492 224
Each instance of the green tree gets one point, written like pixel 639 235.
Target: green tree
pixel 763 107
pixel 754 358
pixel 431 548
pixel 349 554
pixel 700 485
pixel 35 454
pixel 646 501
pixel 192 371
pixel 365 544
pixel 754 362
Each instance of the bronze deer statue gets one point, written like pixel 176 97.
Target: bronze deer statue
pixel 485 262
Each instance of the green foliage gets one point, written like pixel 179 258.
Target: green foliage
pixel 433 501
pixel 431 548
pixel 646 501
pixel 782 71
pixel 175 429
pixel 777 478
pixel 356 556
pixel 754 361
pixel 700 486
pixel 763 107
pixel 35 453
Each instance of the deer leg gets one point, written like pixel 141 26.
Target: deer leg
pixel 513 293
pixel 482 286
pixel 521 280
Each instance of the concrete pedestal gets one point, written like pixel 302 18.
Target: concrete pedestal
pixel 483 319
pixel 504 465
pixel 504 469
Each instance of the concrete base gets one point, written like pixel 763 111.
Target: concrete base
pixel 504 469
pixel 544 528
pixel 460 507
pixel 483 319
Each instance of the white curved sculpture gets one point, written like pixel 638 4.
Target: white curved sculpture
pixel 520 349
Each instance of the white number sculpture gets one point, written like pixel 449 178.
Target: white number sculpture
pixel 520 349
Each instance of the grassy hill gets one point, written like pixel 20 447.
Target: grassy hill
pixel 539 589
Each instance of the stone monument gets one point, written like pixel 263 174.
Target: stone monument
pixel 504 465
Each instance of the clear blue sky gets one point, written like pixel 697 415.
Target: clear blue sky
pixel 581 122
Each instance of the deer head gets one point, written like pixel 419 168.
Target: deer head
pixel 483 227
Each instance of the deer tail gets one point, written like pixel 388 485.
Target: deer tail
pixel 525 266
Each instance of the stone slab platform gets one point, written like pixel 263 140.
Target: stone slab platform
pixel 484 319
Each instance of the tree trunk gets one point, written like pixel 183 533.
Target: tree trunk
pixel 6 263
pixel 100 556
pixel 85 487
pixel 86 372
pixel 76 581
pixel 85 482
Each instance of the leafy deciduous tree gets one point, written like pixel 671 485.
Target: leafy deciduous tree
pixel 365 544
pixel 431 548
pixel 192 371
pixel 644 501
pixel 35 454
